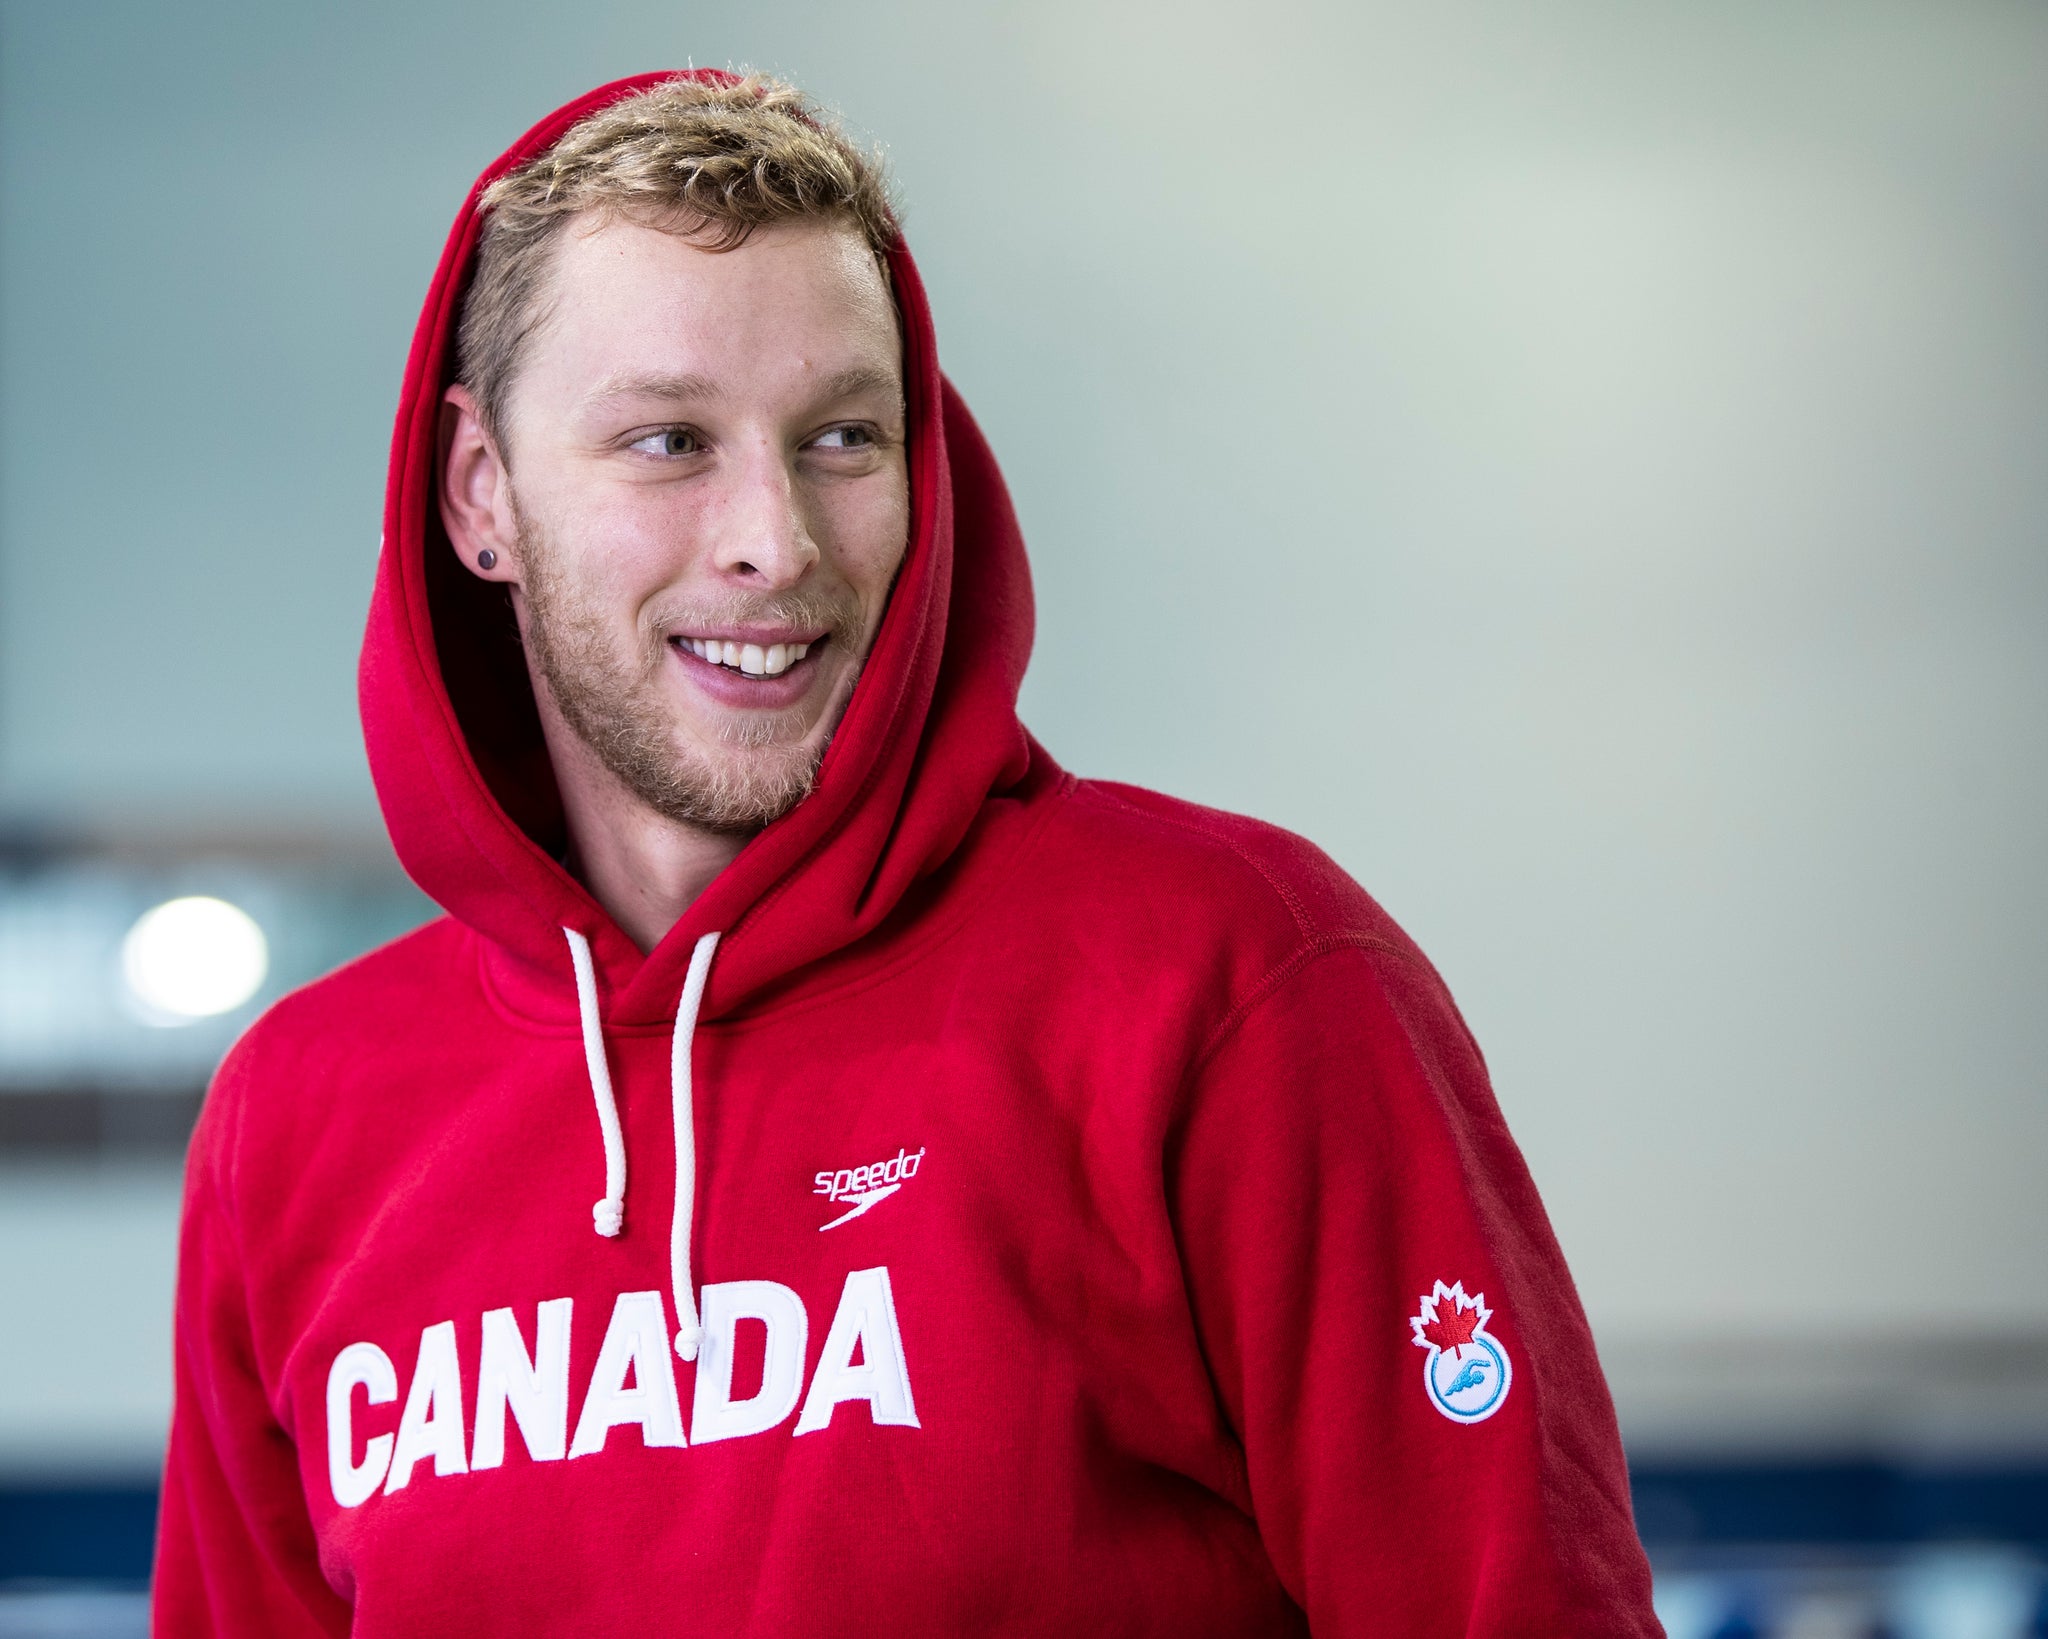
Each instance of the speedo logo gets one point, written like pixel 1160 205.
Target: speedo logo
pixel 866 1187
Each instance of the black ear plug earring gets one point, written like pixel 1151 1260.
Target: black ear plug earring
pixel 487 559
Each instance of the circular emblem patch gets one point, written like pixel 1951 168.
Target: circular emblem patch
pixel 1466 1372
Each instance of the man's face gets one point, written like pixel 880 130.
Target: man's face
pixel 707 477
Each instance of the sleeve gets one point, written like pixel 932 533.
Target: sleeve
pixel 1429 1442
pixel 235 1551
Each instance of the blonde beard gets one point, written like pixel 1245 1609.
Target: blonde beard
pixel 616 707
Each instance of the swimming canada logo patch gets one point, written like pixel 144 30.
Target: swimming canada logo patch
pixel 1466 1373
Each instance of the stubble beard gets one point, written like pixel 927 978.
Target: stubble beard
pixel 615 705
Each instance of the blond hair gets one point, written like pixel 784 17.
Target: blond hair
pixel 711 159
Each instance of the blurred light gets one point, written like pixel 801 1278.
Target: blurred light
pixel 194 957
pixel 1966 1592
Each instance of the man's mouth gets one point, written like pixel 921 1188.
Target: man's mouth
pixel 748 659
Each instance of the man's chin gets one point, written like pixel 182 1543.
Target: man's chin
pixel 733 789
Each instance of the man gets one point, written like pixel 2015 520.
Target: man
pixel 1023 1204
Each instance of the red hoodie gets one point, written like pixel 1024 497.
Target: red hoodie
pixel 1045 1207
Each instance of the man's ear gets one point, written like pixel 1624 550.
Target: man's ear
pixel 476 492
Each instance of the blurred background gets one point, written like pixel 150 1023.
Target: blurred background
pixel 1585 465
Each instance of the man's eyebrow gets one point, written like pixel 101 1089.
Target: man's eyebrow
pixel 863 378
pixel 690 388
pixel 685 389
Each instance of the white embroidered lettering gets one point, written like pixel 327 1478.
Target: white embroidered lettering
pixel 866 1317
pixel 360 1365
pixel 850 1181
pixel 714 1414
pixel 535 1390
pixel 636 1340
pixel 431 1425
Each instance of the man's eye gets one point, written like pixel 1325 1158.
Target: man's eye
pixel 669 441
pixel 846 438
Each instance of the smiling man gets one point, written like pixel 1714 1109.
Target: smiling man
pixel 710 504
pixel 1028 1205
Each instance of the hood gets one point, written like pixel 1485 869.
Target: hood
pixel 930 736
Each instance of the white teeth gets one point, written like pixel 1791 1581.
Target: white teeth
pixel 750 658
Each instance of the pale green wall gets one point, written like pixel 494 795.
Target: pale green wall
pixel 1582 464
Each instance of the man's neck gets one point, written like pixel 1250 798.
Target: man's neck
pixel 644 868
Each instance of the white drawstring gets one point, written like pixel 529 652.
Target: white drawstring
pixel 683 1110
pixel 609 1214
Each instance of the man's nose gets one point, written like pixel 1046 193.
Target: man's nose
pixel 765 541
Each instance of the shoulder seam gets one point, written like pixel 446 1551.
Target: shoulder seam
pixel 1279 974
pixel 1280 886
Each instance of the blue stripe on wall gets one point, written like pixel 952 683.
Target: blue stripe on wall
pixel 1847 1503
pixel 105 1534
pixel 77 1533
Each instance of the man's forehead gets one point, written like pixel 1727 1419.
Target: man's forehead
pixel 796 269
pixel 637 312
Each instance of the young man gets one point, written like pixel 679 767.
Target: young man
pixel 1023 1204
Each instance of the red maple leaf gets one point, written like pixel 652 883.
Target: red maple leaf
pixel 1452 1324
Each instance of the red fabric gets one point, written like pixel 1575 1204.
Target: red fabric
pixel 1199 1131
